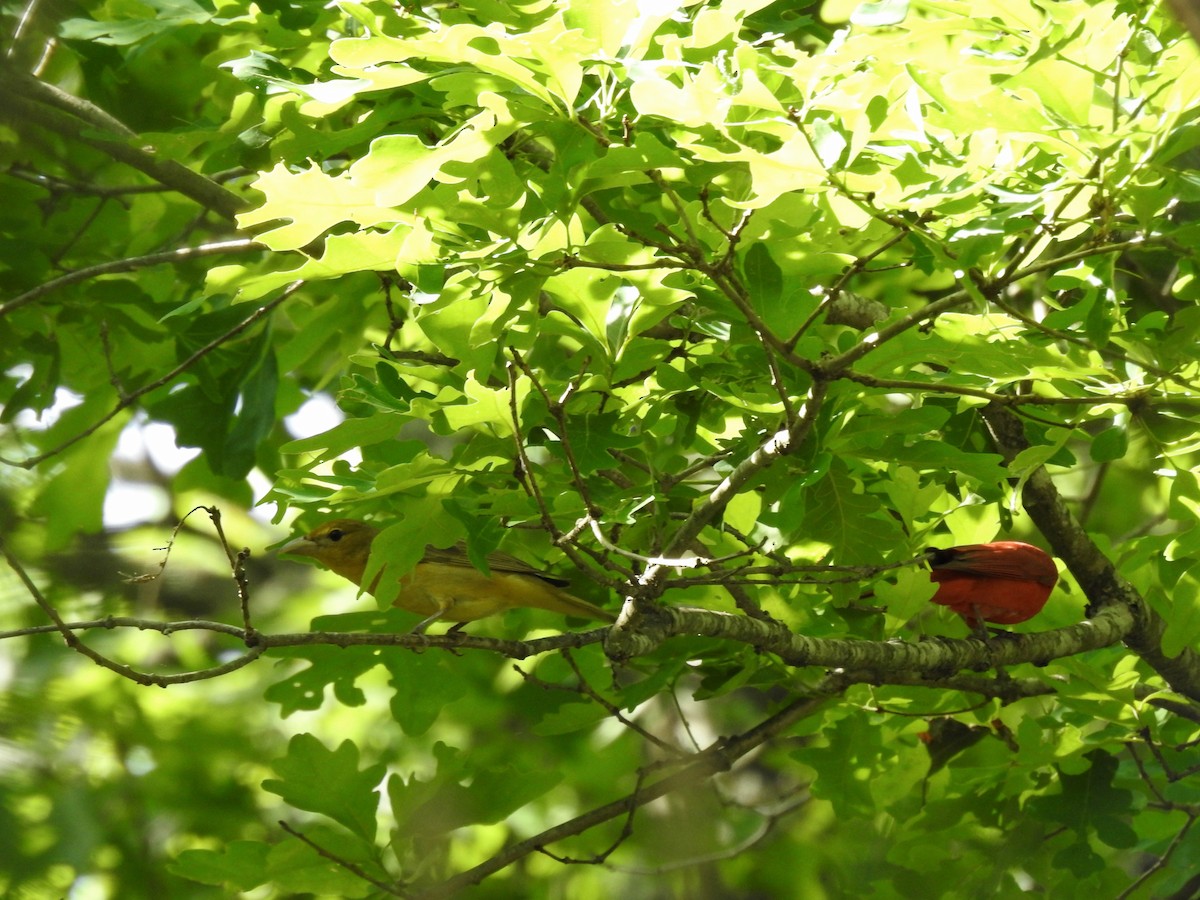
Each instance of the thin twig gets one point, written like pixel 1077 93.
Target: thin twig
pixel 625 833
pixel 613 710
pixel 142 678
pixel 62 186
pixel 718 757
pixel 1160 863
pixel 180 254
pixel 769 821
pixel 127 401
pixel 237 566
pixel 350 867
pixel 557 409
pixel 111 623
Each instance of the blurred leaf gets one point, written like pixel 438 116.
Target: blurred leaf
pixel 241 865
pixel 423 686
pixel 1110 444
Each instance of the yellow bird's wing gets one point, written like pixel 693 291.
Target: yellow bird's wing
pixel 446 578
pixel 498 562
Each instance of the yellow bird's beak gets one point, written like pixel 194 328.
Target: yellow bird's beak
pixel 301 546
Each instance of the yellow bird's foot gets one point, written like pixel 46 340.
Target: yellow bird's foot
pixel 420 627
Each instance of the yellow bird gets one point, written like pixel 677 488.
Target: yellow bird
pixel 444 584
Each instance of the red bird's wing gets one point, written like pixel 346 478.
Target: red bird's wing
pixel 1000 559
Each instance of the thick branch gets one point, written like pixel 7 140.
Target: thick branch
pixel 930 663
pixel 28 100
pixel 874 661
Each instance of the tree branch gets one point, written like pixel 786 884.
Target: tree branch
pixel 128 400
pixel 718 757
pixel 1107 591
pixel 876 661
pixel 930 663
pixel 182 254
pixel 29 100
pixel 142 678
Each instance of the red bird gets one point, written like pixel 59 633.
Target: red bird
pixel 1004 582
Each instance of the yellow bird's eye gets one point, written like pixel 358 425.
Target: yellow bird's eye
pixel 337 534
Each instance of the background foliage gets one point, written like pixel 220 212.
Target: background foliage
pixel 726 309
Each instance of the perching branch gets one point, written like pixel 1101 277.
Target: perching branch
pixel 875 661
pixel 931 663
pixel 142 678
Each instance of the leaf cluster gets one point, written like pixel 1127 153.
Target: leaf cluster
pixel 725 309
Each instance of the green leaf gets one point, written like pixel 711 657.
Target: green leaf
pixel 763 277
pixel 908 497
pixel 1088 801
pixel 253 419
pixel 239 866
pixel 297 866
pixel 570 717
pixel 134 25
pixel 311 202
pixel 1110 444
pixel 73 498
pixel 1184 616
pixel 351 433
pixel 423 686
pixel 849 757
pixel 330 783
pixel 328 666
pixel 910 594
pixel 853 523
pixel 444 803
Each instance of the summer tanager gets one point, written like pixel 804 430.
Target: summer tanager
pixel 1005 582
pixel 444 584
